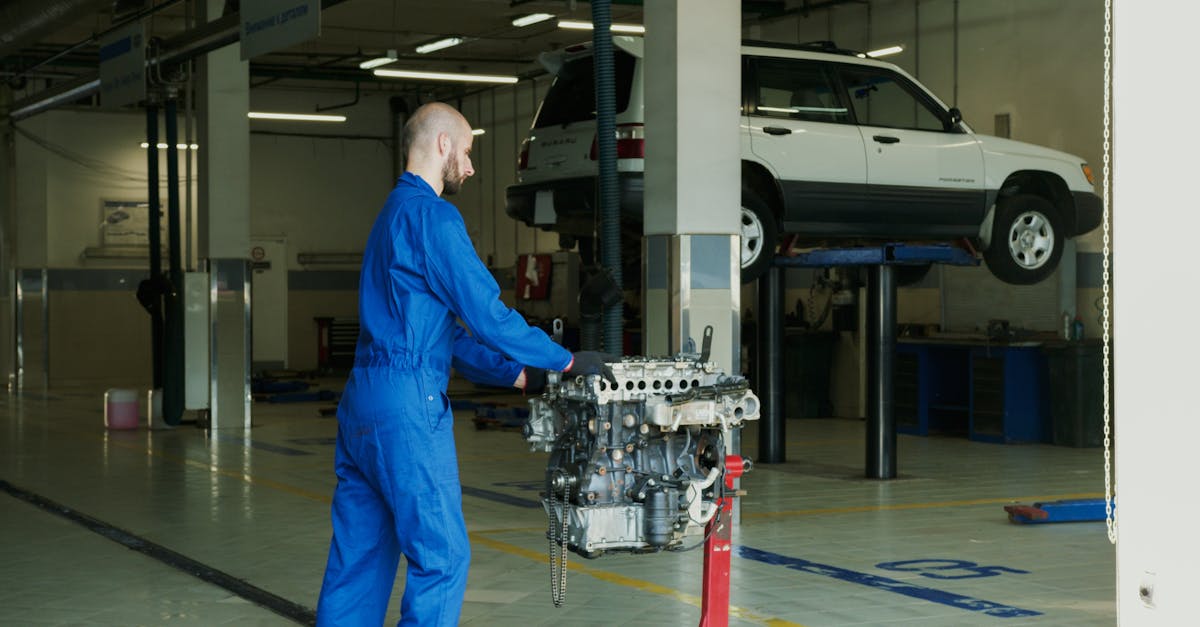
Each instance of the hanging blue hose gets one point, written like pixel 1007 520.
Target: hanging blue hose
pixel 606 144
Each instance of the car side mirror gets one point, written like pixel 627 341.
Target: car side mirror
pixel 953 117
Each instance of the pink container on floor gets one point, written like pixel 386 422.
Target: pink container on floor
pixel 121 409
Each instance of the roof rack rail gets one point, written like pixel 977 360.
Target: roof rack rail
pixel 825 46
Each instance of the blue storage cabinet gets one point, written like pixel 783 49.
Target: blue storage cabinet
pixel 988 392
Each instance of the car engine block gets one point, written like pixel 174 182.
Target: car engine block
pixel 636 467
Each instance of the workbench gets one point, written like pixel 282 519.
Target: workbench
pixel 988 391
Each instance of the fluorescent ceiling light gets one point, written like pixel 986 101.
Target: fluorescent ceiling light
pixel 369 64
pixel 531 19
pixel 439 44
pixel 616 28
pixel 477 131
pixel 163 146
pixel 446 76
pixel 883 52
pixel 299 117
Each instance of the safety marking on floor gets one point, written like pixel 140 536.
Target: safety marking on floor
pixel 907 506
pixel 990 608
pixel 240 587
pixel 622 580
pixel 936 568
pixel 500 497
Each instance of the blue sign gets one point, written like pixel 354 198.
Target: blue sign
pixel 123 66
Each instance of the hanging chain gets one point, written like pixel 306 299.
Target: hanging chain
pixel 558 546
pixel 1110 518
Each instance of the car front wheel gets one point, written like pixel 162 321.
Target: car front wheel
pixel 1027 240
pixel 760 235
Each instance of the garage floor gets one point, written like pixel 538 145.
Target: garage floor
pixel 818 546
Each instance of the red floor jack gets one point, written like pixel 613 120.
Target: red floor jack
pixel 714 607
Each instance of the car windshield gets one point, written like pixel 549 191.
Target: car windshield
pixel 572 97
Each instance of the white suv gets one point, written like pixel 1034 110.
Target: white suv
pixel 836 148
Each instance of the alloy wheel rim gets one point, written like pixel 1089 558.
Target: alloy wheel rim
pixel 1031 240
pixel 752 235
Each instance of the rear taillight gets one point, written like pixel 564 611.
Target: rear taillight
pixel 631 142
pixel 523 156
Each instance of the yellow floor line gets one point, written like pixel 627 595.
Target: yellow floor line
pixel 479 537
pixel 907 506
pixel 630 582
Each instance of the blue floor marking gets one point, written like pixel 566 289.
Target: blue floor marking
pixel 959 601
pixel 501 497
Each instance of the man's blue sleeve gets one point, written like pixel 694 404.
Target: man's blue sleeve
pixel 480 364
pixel 455 273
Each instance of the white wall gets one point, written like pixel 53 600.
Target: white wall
pixel 1156 424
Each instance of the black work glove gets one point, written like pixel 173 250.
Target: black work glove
pixel 535 380
pixel 593 362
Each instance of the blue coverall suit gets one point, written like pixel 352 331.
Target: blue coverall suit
pixel 398 490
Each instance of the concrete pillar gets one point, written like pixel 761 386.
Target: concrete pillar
pixel 8 214
pixel 692 199
pixel 223 222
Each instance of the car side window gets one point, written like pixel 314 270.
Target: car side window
pixel 797 90
pixel 880 98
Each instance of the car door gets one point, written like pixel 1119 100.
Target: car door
pixel 924 176
pixel 800 128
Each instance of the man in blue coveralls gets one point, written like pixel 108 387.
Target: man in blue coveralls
pixel 398 490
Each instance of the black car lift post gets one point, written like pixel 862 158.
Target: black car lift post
pixel 881 341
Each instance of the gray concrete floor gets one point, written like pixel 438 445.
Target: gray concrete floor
pixel 818 545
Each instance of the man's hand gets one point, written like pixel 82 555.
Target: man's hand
pixel 532 380
pixel 592 362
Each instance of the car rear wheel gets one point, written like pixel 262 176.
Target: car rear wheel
pixel 760 235
pixel 1027 240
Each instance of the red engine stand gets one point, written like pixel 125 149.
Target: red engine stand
pixel 714 607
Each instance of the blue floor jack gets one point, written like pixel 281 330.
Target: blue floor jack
pixel 1074 510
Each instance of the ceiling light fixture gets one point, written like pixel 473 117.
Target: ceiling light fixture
pixel 439 45
pixel 446 76
pixel 370 64
pixel 296 117
pixel 477 131
pixel 883 52
pixel 531 19
pixel 616 28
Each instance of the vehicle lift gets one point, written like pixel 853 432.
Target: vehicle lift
pixel 881 424
pixel 882 260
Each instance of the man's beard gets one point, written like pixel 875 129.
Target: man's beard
pixel 452 178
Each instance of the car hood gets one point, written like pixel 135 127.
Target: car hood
pixel 1003 146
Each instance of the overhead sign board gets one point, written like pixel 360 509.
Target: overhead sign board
pixel 123 66
pixel 270 25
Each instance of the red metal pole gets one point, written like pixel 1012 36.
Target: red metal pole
pixel 714 607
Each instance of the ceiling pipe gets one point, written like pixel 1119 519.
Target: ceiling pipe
pixel 98 36
pixel 26 21
pixel 203 39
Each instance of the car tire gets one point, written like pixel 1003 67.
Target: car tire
pixel 760 235
pixel 1027 240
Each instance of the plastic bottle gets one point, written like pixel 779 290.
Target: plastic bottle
pixel 1077 329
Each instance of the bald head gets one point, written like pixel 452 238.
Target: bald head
pixel 437 146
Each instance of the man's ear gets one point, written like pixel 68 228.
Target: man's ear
pixel 444 144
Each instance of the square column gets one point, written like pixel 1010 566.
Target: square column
pixel 693 178
pixel 223 223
